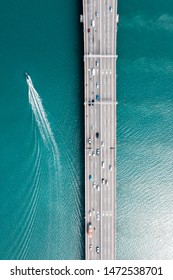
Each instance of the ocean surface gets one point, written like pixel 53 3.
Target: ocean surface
pixel 42 134
pixel 41 206
pixel 145 130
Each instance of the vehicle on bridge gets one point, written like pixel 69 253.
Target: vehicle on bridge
pixel 97 250
pixel 90 230
pixel 110 9
pixel 97 134
pixel 93 71
pixel 98 216
pixel 93 23
pixel 97 63
pixel 93 154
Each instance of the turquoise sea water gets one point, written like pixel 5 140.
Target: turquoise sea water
pixel 145 130
pixel 39 218
pixel 42 214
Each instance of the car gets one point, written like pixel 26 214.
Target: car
pixel 110 167
pixel 97 250
pixel 106 182
pixel 110 9
pixel 90 213
pixel 103 180
pixel 89 53
pixel 89 140
pixel 97 134
pixel 98 188
pixel 97 63
pixel 90 177
pixel 90 246
pixel 93 23
pixel 93 154
pixel 92 126
pixel 93 71
pixel 97 97
pixel 94 185
pixel 89 102
pixel 90 230
pixel 103 164
pixel 97 85
pixel 102 144
pixel 98 216
pixel 97 152
pixel 96 14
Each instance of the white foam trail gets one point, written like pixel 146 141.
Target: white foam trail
pixel 43 123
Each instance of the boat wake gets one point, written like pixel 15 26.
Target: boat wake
pixel 52 159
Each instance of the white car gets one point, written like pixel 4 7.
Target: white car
pixel 98 188
pixel 97 85
pixel 94 185
pixel 98 216
pixel 89 140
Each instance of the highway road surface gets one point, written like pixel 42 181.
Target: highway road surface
pixel 100 28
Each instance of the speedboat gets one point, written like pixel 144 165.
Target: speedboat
pixel 28 78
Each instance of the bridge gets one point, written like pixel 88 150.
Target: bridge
pixel 100 20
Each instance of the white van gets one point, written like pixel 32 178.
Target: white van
pixel 93 71
pixel 93 23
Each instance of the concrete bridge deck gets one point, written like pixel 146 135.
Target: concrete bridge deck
pixel 100 28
